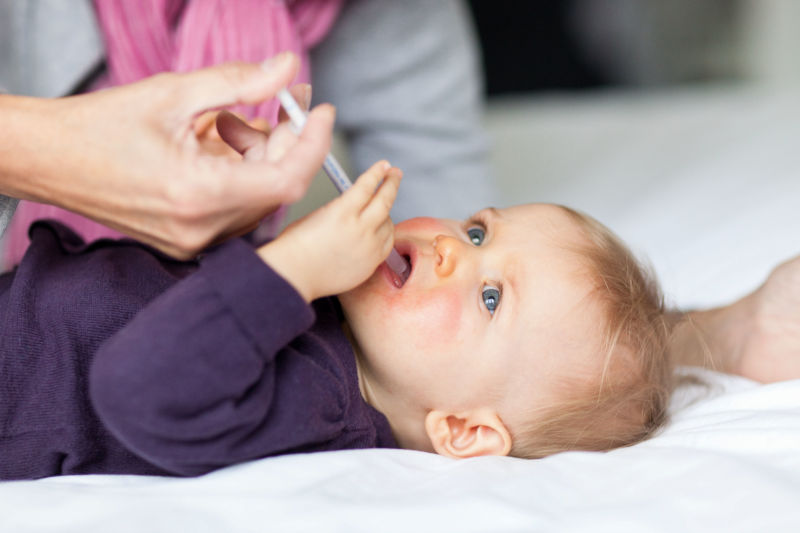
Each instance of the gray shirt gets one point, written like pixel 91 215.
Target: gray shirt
pixel 406 80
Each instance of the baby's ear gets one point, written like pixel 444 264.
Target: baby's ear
pixel 468 434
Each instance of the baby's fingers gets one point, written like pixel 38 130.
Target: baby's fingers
pixel 382 200
pixel 385 236
pixel 362 191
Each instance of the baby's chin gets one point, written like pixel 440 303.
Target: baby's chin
pixel 365 292
pixel 355 300
pixel 364 306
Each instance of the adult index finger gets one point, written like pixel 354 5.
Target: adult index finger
pixel 234 83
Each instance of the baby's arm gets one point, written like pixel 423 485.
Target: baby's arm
pixel 189 383
pixel 757 337
pixel 195 381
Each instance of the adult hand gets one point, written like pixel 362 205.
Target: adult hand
pixel 205 128
pixel 771 349
pixel 757 337
pixel 128 157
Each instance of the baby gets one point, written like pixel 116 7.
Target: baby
pixel 524 331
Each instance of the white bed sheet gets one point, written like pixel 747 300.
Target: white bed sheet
pixel 730 462
pixel 706 184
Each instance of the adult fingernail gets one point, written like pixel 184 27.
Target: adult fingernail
pixel 329 109
pixel 276 60
pixel 307 96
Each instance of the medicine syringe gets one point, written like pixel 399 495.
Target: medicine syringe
pixel 336 173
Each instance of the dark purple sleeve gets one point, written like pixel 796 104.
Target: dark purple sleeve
pixel 190 383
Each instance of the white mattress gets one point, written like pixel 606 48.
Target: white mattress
pixel 704 183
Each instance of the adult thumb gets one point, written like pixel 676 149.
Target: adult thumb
pixel 236 83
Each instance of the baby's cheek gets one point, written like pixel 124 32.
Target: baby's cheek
pixel 434 317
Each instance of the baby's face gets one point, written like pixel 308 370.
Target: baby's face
pixel 495 308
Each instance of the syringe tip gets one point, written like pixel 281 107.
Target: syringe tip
pixel 400 266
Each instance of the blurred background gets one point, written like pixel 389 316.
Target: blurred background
pixel 546 45
pixel 674 122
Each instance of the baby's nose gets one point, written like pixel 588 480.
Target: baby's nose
pixel 446 254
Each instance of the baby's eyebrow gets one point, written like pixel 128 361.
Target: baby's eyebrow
pixel 489 213
pixel 494 212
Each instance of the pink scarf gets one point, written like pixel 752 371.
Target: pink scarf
pixel 144 37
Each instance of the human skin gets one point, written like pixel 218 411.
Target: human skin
pixel 450 375
pixel 338 246
pixel 128 157
pixel 445 370
pixel 757 336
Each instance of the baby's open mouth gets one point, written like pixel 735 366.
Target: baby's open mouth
pixel 400 276
pixel 407 273
pixel 402 265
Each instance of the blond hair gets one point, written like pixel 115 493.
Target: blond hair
pixel 628 402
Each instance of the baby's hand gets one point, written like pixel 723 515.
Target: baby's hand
pixel 338 246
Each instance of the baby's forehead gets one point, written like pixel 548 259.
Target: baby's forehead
pixel 539 222
pixel 558 307
pixel 533 209
pixel 547 235
pixel 551 274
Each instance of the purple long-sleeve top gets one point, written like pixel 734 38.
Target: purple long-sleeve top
pixel 116 359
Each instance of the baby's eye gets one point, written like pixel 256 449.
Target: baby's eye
pixel 491 298
pixel 476 235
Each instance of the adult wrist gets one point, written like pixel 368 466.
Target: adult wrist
pixel 713 338
pixel 28 153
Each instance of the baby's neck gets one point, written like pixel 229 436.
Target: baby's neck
pixel 401 425
pixel 363 386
